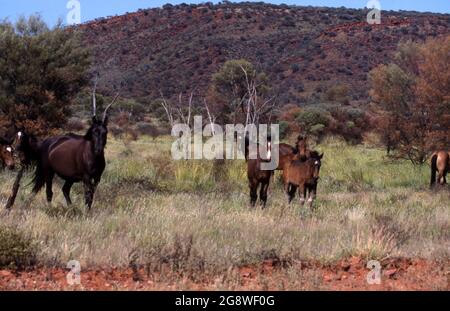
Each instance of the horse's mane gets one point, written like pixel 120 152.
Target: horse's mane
pixel 88 135
pixel 314 154
pixel 73 135
pixel 29 146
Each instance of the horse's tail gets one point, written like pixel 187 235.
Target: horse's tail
pixel 38 178
pixel 433 169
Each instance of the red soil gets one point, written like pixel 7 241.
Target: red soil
pixel 348 274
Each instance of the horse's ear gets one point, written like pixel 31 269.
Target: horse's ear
pixel 105 121
pixel 321 156
pixel 94 119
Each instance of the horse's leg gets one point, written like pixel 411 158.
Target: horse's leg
pixel 48 185
pixel 88 192
pixel 312 195
pixel 96 182
pixel 292 191
pixel 94 186
pixel 444 176
pixel 286 190
pixel 302 193
pixel 66 191
pixel 263 193
pixel 253 193
pixel 440 178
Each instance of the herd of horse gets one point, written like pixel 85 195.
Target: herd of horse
pixel 80 158
pixel 300 166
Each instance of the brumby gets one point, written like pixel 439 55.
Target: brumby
pixel 74 158
pixel 440 163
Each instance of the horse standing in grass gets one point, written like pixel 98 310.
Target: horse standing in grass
pixel 300 153
pixel 440 162
pixel 303 175
pixel 74 158
pixel 256 176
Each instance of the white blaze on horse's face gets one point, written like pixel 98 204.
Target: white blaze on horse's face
pixel 9 149
pixel 19 134
pixel 269 152
pixel 316 169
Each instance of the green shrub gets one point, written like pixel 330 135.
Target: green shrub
pixel 16 250
pixel 354 113
pixel 312 116
pixel 145 128
pixel 350 124
pixel 317 129
pixel 136 109
pixel 337 93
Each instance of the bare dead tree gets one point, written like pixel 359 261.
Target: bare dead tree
pixel 255 107
pixel 179 111
pixel 211 116
pixel 186 119
pixel 168 109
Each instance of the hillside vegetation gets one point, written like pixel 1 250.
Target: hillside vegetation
pixel 304 50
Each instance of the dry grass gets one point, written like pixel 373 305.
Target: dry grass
pixel 151 211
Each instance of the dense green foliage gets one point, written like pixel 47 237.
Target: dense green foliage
pixel 41 70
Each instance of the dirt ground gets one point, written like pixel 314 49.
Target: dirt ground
pixel 349 274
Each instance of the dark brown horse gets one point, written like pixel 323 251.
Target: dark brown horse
pixel 258 177
pixel 304 175
pixel 440 162
pixel 74 158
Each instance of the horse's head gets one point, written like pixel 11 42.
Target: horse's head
pixel 98 132
pixel 317 162
pixel 18 139
pixel 26 146
pixel 301 146
pixel 7 154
